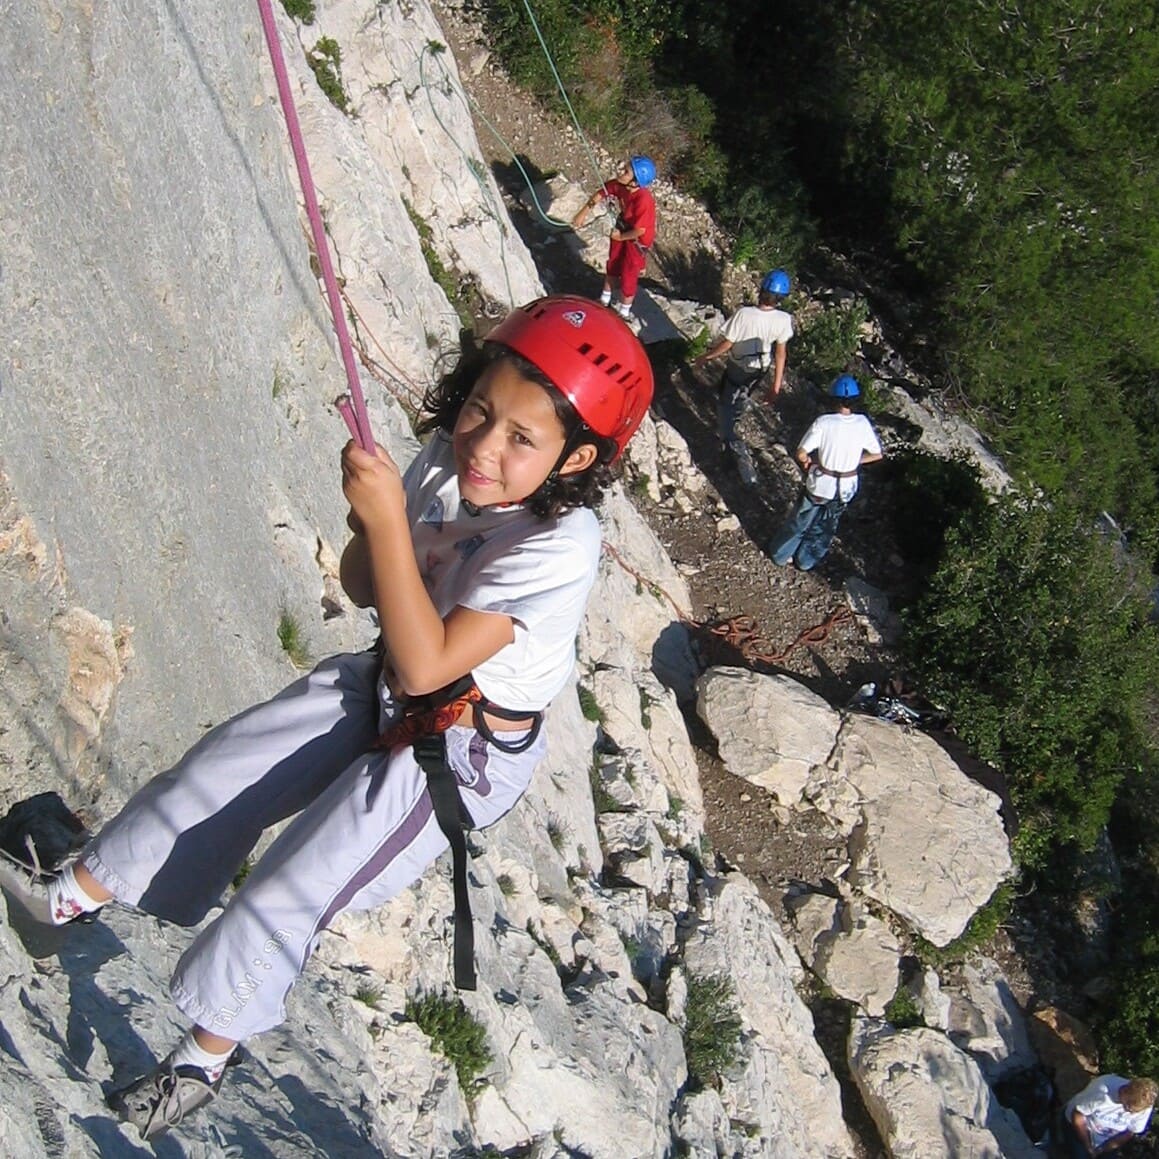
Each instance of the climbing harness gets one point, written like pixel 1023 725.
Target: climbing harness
pixel 424 726
pixel 815 466
pixel 353 410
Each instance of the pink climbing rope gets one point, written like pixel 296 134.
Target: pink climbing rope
pixel 352 408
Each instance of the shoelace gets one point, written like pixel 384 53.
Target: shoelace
pixel 168 1103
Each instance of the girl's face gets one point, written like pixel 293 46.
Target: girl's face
pixel 508 438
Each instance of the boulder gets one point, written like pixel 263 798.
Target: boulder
pixel 928 1098
pixel 987 1021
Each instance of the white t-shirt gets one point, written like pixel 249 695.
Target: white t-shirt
pixel 1105 1117
pixel 753 332
pixel 836 442
pixel 537 571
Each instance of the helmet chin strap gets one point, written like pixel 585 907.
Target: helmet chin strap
pixel 573 440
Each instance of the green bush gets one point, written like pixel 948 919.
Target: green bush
pixel 456 1035
pixel 302 10
pixel 1029 633
pixel 1129 1039
pixel 827 342
pixel 589 706
pixel 902 1011
pixel 980 929
pixel 712 1029
pixel 931 495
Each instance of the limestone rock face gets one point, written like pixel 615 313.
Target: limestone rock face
pixel 859 960
pixel 928 1098
pixel 785 1092
pixel 986 1021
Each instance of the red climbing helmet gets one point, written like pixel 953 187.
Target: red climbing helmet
pixel 590 354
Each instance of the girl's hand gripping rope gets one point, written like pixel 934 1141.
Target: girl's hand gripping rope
pixel 372 485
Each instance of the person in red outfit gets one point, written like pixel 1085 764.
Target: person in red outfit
pixel 634 231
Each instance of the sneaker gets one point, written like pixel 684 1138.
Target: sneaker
pixel 30 910
pixel 744 464
pixel 164 1098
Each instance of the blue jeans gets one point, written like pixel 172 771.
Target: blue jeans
pixel 732 401
pixel 808 532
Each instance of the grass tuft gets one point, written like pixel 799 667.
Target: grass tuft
pixel 456 1035
pixel 291 638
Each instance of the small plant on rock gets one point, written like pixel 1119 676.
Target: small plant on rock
pixel 301 10
pixel 712 1030
pixel 292 640
pixel 455 1034
pixel 589 706
pixel 369 994
pixel 902 1011
pixel 325 61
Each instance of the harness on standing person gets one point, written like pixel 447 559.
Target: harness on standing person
pixel 424 725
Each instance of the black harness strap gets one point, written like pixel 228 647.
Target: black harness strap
pixel 431 754
pixel 430 751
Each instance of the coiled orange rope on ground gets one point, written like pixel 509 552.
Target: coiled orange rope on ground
pixel 741 631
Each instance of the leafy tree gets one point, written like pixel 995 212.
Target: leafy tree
pixel 1030 634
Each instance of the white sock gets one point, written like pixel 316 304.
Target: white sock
pixel 68 899
pixel 625 309
pixel 606 298
pixel 189 1053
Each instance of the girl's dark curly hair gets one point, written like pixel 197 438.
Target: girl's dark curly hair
pixel 558 493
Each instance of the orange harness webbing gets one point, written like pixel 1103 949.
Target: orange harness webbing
pixel 425 718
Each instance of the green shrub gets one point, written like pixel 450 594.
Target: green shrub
pixel 440 275
pixel 589 706
pixel 369 994
pixel 1029 634
pixel 1129 1039
pixel 325 61
pixel 556 832
pixel 980 929
pixel 243 872
pixel 301 10
pixel 698 345
pixel 902 1010
pixel 827 342
pixel 455 1034
pixel 712 1029
pixel 930 495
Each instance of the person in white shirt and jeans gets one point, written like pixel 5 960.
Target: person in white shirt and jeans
pixel 755 339
pixel 835 446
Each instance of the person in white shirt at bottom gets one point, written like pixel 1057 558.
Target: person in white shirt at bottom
pixel 835 446
pixel 1107 1113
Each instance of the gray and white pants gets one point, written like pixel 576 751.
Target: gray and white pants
pixel 365 830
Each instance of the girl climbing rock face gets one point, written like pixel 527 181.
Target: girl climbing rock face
pixel 479 560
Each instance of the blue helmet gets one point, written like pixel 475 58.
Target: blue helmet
pixel 776 282
pixel 644 170
pixel 845 387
